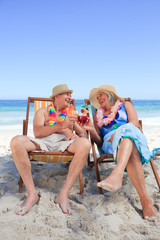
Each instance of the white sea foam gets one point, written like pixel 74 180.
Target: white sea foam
pixel 153 121
pixel 15 127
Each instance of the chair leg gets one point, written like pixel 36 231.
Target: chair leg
pixel 81 183
pixel 20 185
pixel 90 164
pixel 98 176
pixel 96 167
pixel 155 173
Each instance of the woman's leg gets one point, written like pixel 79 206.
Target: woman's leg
pixel 135 172
pixel 114 181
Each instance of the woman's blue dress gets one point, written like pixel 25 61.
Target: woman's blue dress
pixel 120 128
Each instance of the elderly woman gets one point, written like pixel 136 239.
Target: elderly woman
pixel 116 128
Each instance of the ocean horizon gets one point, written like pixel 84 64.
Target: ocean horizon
pixel 12 112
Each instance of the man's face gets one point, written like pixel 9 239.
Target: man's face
pixel 64 99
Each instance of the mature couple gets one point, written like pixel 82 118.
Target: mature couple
pixel 114 121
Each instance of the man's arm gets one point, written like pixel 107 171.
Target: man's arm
pixel 80 131
pixel 42 129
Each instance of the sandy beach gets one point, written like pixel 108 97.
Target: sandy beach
pixel 110 216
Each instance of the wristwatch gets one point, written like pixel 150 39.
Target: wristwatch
pixel 82 134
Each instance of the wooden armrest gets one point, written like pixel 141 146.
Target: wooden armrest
pixel 24 127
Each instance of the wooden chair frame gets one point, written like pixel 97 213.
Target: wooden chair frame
pixel 25 130
pixel 109 157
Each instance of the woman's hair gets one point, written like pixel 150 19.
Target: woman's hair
pixel 111 97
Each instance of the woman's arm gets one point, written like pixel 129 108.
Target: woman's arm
pixel 94 131
pixel 131 113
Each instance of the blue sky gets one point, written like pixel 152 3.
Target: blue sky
pixel 84 43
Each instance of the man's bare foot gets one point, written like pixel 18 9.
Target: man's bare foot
pixel 64 204
pixel 148 210
pixel 29 203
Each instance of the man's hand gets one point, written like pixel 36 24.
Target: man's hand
pixel 69 121
pixel 72 136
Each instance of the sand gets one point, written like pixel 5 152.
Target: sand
pixel 109 216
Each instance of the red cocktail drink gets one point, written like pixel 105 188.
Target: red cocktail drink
pixel 82 119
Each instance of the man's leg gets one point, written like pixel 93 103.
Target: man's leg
pixel 81 148
pixel 114 181
pixel 20 146
pixel 135 172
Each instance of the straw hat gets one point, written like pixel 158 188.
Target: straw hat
pixel 102 88
pixel 59 89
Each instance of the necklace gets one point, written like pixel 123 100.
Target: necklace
pixel 105 121
pixel 52 114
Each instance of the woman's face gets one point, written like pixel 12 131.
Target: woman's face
pixel 103 99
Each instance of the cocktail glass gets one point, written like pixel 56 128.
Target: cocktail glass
pixel 76 113
pixel 82 119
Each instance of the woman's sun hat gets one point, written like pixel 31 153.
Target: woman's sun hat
pixel 102 88
pixel 59 89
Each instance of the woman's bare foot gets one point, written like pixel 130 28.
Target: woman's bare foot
pixel 148 209
pixel 107 186
pixel 111 183
pixel 64 204
pixel 29 203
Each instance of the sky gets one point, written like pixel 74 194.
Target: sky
pixel 83 43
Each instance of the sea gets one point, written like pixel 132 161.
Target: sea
pixel 12 112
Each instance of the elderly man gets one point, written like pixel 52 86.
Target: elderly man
pixel 53 131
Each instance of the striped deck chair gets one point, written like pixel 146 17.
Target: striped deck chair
pixel 46 157
pixel 103 158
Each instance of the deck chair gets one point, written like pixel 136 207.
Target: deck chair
pixel 103 158
pixel 47 157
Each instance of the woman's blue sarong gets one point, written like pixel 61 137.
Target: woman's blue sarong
pixel 120 128
pixel 128 130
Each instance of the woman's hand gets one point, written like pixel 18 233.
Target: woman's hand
pixel 89 125
pixel 111 138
